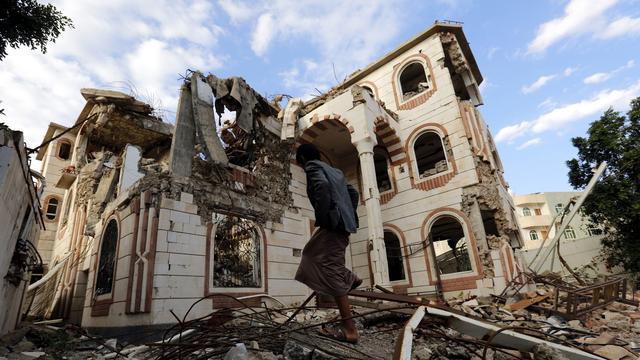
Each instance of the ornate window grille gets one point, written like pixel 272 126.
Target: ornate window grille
pixel 237 254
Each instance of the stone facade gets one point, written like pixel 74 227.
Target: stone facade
pixel 20 223
pixel 161 217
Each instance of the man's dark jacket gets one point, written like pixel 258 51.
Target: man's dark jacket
pixel 333 199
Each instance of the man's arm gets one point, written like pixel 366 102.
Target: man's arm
pixel 318 189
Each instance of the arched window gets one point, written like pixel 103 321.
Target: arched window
pixel 52 208
pixel 395 260
pixel 106 266
pixel 413 80
pixel 381 163
pixel 450 245
pixel 533 235
pixel 430 156
pixel 569 233
pixel 64 149
pixel 237 254
pixel 559 208
pixel 526 212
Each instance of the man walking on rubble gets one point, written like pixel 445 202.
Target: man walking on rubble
pixel 322 266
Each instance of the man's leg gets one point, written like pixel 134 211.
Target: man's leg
pixel 348 325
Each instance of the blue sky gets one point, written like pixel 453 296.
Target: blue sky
pixel 550 66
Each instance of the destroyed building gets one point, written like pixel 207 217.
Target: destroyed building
pixel 150 217
pixel 20 224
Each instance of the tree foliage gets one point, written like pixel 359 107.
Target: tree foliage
pixel 27 23
pixel 614 203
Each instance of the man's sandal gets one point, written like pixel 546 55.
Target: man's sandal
pixel 336 334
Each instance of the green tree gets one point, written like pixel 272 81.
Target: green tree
pixel 614 202
pixel 25 22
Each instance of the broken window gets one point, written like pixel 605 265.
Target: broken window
pixel 395 261
pixel 489 222
pixel 64 150
pixel 107 263
pixel 569 233
pixel 594 231
pixel 559 208
pixel 533 235
pixel 526 212
pixel 450 246
pixel 236 254
pixel 413 80
pixel 381 163
pixel 429 153
pixel 537 211
pixel 52 208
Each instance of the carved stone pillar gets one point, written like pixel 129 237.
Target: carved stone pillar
pixel 371 197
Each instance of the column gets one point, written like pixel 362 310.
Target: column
pixel 371 197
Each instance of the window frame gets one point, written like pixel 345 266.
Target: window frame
pixel 59 144
pixel 567 230
pixel 533 234
pixel 559 208
pixel 211 289
pixel 469 248
pixel 526 211
pixel 46 203
pixel 382 150
pixel 405 264
pixel 427 74
pixel 109 295
pixel 414 162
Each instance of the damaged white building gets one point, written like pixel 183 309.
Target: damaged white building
pixel 149 217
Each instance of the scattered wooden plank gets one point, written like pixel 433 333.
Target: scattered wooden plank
pixel 523 304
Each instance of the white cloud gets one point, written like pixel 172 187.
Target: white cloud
pixel 548 103
pixel 540 82
pixel 237 11
pixel 570 70
pixel 559 118
pixel 492 51
pixel 531 142
pixel 583 17
pixel 620 27
pixel 604 76
pixel 340 32
pixel 263 34
pixel 597 78
pixel 143 49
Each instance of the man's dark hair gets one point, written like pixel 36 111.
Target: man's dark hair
pixel 307 152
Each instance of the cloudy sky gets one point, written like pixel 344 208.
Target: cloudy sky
pixel 549 69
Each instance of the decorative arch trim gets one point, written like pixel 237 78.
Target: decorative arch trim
pixel 391 140
pixel 310 133
pixel 418 99
pixel 372 86
pixel 437 180
pixel 401 289
pixel 468 281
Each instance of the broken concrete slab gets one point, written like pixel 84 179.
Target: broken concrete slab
pixel 184 139
pixel 202 101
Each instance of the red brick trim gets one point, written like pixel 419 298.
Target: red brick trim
pixel 386 196
pixel 224 301
pixel 437 180
pixel 418 99
pixel 310 133
pixel 403 288
pixel 464 282
pixel 371 86
pixel 101 307
pixel 135 212
pixel 391 140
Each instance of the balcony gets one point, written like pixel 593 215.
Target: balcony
pixel 534 221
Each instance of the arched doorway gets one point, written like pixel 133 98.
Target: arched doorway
pixel 450 246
